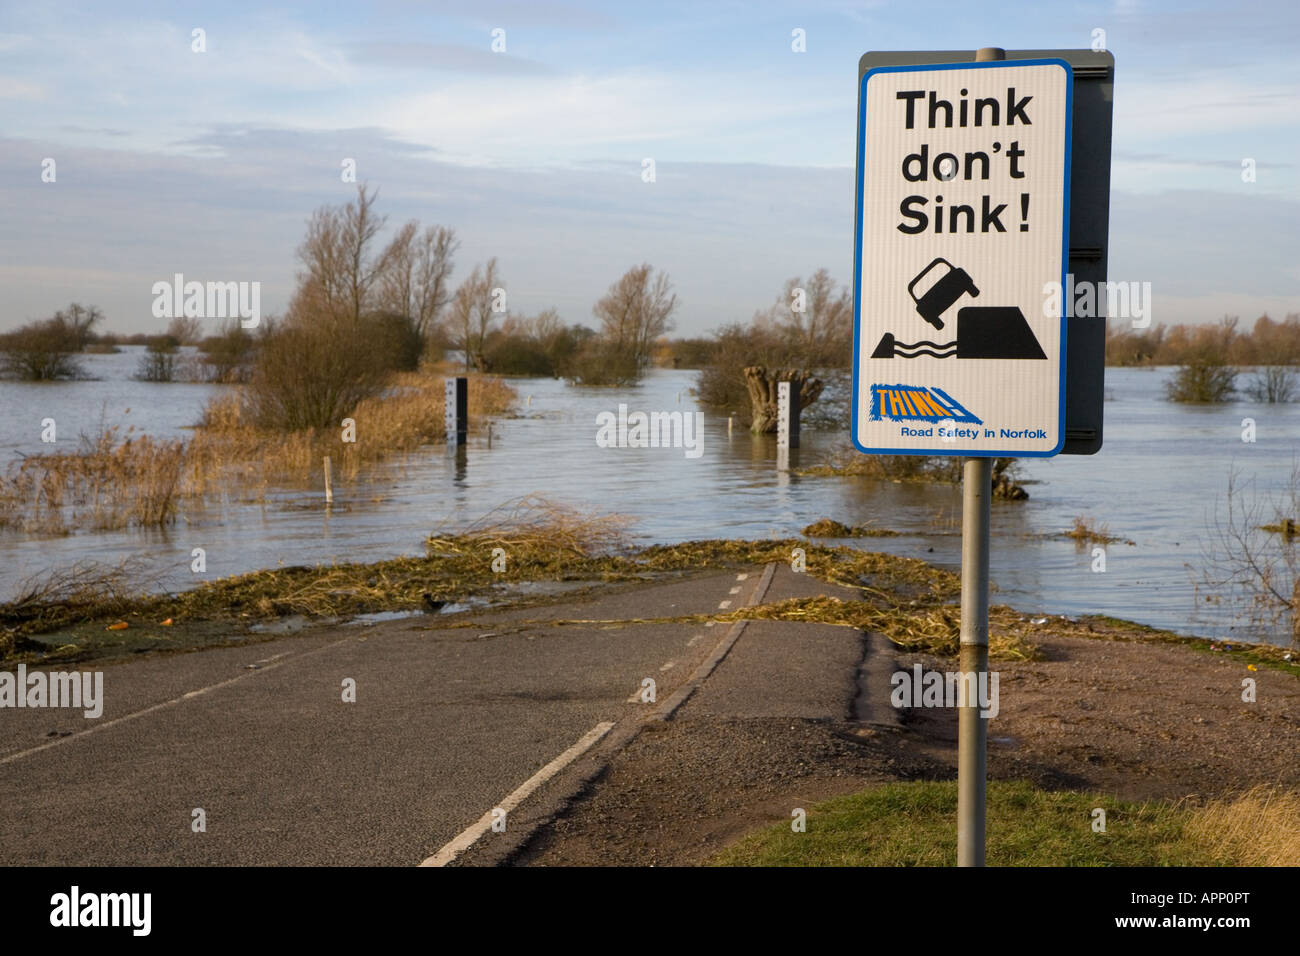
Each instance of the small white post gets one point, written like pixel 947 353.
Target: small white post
pixel 329 488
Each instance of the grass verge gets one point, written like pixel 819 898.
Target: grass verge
pixel 913 824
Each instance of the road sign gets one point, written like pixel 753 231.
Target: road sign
pixel 963 228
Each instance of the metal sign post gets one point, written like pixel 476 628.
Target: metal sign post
pixel 963 224
pixel 972 731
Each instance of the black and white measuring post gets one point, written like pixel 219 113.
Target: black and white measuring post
pixel 787 424
pixel 456 411
pixel 962 229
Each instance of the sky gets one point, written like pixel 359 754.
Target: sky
pixel 209 163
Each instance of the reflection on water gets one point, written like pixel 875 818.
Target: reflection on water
pixel 1156 481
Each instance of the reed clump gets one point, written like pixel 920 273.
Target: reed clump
pixel 117 479
pixel 114 480
pixel 407 415
pixel 1085 530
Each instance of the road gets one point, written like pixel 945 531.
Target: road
pixel 448 722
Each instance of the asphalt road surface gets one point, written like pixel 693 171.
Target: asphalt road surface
pixel 448 722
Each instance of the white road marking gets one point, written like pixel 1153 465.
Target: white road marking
pixel 741 577
pixel 734 591
pixel 669 666
pixel 470 835
pixel 709 623
pixel 188 695
pixel 695 640
pixel 723 605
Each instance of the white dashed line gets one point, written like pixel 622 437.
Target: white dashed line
pixel 723 605
pixel 734 591
pixel 741 577
pixel 272 664
pixel 669 666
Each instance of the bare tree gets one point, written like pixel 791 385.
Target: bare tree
pixel 635 311
pixel 471 313
pixel 340 271
pixel 417 283
pixel 186 330
pixel 815 319
pixel 79 320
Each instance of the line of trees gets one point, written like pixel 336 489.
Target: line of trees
pixel 1267 343
pixel 361 312
pixel 809 327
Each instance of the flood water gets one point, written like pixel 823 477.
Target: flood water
pixel 1158 481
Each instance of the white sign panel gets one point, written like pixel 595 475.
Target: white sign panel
pixel 959 345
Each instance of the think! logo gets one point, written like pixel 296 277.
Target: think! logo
pixel 908 403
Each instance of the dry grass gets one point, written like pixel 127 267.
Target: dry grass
pixel 1086 531
pixel 533 529
pixel 933 630
pixel 828 528
pixel 117 480
pixel 1260 827
pixel 52 600
pixel 110 482
pixel 408 415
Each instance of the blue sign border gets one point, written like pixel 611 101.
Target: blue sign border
pixel 857 255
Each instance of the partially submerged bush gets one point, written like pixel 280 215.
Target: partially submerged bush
pixel 158 364
pixel 42 351
pixel 310 374
pixel 601 362
pixel 1273 384
pixel 1202 382
pixel 940 469
pixel 228 355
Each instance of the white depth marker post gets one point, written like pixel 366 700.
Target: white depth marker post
pixel 782 426
pixel 449 411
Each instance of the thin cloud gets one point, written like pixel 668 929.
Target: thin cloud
pixel 442 58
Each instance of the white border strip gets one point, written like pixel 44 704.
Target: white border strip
pixel 470 835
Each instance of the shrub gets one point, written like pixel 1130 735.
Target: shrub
pixel 228 356
pixel 1202 381
pixel 42 351
pixel 602 362
pixel 158 364
pixel 1273 384
pixel 395 342
pixel 310 374
pixel 515 354
pixel 691 353
pixel 722 384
